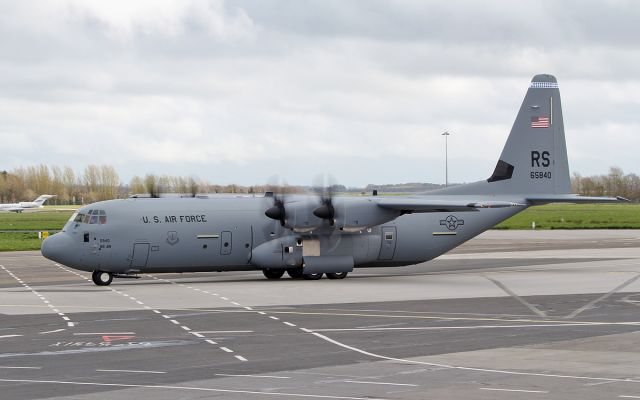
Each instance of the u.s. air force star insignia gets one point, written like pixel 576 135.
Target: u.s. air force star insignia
pixel 451 222
pixel 172 237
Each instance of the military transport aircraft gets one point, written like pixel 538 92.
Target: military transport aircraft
pixel 309 236
pixel 25 205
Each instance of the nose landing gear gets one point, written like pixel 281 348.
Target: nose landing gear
pixel 102 278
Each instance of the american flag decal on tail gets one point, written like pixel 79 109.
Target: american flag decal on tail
pixel 539 122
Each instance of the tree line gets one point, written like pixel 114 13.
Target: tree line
pixel 102 182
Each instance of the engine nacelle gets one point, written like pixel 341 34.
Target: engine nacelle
pixel 354 214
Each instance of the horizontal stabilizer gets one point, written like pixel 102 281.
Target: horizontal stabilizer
pixel 428 205
pixel 572 198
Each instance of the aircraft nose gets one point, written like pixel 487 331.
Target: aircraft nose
pixel 58 248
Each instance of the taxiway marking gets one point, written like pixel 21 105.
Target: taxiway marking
pixel 381 383
pixel 511 293
pixel 187 388
pixel 135 371
pixel 53 331
pixel 255 376
pixel 604 296
pixel 10 367
pixel 40 296
pixel 8 336
pixel 515 390
pixel 431 328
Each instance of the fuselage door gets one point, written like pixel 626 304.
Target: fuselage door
pixel 388 245
pixel 225 243
pixel 140 255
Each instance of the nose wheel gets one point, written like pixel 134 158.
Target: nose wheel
pixel 102 278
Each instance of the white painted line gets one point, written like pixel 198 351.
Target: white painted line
pixel 515 390
pixel 276 318
pixel 157 312
pixel 197 334
pixel 174 321
pixel 224 298
pixel 186 388
pixel 102 333
pixel 131 370
pixel 262 313
pixel 66 318
pixel 55 310
pixel 133 298
pixel 248 308
pixel 430 328
pixel 629 397
pixel 70 324
pixel 289 323
pixel 166 316
pixel 210 341
pixel 235 304
pixel 224 331
pixel 147 307
pixel 305 330
pixel 240 358
pixel 139 302
pixel 382 383
pixel 186 328
pixel 53 331
pixel 7 367
pixel 8 336
pixel 228 350
pixel 255 376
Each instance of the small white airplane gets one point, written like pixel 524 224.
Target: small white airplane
pixel 25 205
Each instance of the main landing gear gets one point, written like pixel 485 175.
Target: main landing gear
pixel 297 273
pixel 102 278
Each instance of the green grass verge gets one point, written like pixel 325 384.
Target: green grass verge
pixel 19 241
pixel 39 220
pixel 577 216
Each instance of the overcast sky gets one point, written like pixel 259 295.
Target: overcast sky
pixel 241 91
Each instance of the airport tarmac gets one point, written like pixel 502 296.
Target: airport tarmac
pixel 531 315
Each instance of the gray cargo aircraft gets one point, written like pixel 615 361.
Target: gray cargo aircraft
pixel 309 236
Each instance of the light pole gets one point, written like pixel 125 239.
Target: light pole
pixel 446 159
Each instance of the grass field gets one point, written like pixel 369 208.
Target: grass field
pixel 553 216
pixel 577 216
pixel 40 220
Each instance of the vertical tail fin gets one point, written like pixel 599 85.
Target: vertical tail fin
pixel 534 159
pixel 41 199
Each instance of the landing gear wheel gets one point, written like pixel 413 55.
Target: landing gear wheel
pixel 312 277
pixel 337 275
pixel 102 278
pixel 295 273
pixel 273 273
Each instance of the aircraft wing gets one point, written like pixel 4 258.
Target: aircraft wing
pixel 429 205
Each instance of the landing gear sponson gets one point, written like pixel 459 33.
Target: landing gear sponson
pixel 296 273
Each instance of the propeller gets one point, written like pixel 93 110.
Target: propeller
pixel 275 196
pixel 326 210
pixel 277 212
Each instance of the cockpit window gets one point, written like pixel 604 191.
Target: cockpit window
pixel 91 217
